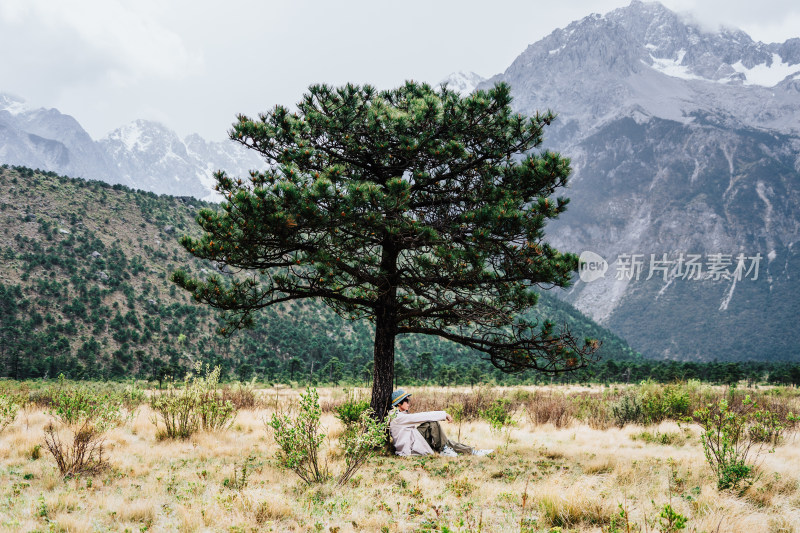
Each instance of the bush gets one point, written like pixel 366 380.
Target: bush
pixel 359 444
pixel 594 409
pixel 661 402
pixel 133 396
pixel 9 406
pixel 299 439
pixel 498 414
pixel 627 410
pixel 195 405
pixel 670 521
pixel 240 478
pixel 500 418
pixel 457 410
pixel 349 412
pixel 176 408
pixel 74 405
pixel 667 438
pixel 732 440
pixel 82 454
pixel 86 417
pixel 216 413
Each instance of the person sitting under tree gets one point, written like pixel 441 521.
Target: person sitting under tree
pixel 421 433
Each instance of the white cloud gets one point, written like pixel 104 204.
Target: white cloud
pixel 194 64
pixel 766 20
pixel 126 38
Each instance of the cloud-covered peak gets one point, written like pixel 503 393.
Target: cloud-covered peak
pixel 13 104
pixel 463 82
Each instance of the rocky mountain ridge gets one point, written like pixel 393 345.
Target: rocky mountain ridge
pixel 646 57
pixel 683 142
pixel 142 155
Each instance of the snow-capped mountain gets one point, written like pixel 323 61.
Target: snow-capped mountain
pixel 647 57
pixel 683 142
pixel 463 82
pixel 142 155
pixel 50 140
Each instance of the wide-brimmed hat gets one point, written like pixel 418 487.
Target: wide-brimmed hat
pixel 398 396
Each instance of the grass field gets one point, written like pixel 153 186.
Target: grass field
pixel 576 477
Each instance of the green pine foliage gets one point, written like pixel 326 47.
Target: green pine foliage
pixel 417 209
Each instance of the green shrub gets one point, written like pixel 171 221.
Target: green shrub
pixel 595 410
pixel 241 475
pixel 195 404
pixel 627 410
pixel 666 438
pixel 300 440
pixel 85 417
pixel 35 452
pixel 9 406
pixel 133 396
pixel 360 443
pixel 176 409
pixel 457 411
pixel 216 413
pixel 74 405
pixel 498 414
pixel 660 402
pixel 500 417
pixel 733 438
pixel 670 521
pixel 350 411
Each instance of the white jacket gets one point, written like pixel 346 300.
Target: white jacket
pixel 407 440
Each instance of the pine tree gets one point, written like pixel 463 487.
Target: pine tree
pixel 415 208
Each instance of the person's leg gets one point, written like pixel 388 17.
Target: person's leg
pixel 432 432
pixel 461 449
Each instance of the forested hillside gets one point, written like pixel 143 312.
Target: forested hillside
pixel 85 291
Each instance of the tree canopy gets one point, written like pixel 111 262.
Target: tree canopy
pixel 415 208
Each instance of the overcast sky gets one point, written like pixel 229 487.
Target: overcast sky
pixel 195 64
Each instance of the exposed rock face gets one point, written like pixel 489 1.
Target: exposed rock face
pixel 683 142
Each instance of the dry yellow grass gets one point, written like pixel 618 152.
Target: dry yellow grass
pixel 573 477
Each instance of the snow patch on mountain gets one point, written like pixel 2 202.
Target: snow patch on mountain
pixel 767 75
pixel 674 67
pixel 723 306
pixel 132 136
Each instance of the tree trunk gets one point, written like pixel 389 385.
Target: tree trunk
pixel 383 372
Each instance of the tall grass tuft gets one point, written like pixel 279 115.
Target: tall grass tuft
pixel 552 408
pixel 242 395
